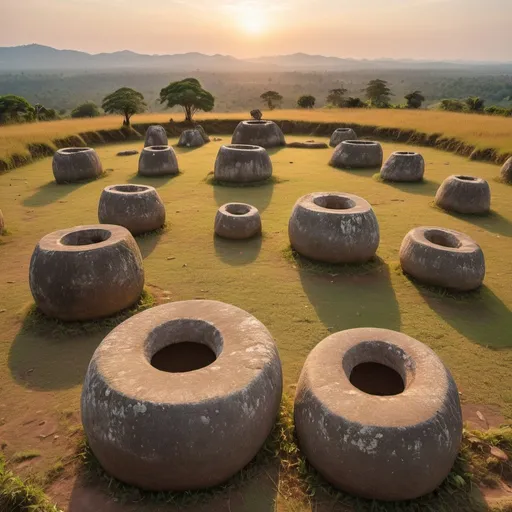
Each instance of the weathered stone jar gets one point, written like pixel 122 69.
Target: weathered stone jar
pixel 156 136
pixel 258 133
pixel 403 166
pixel 334 227
pixel 2 222
pixel 237 221
pixel 182 396
pixel 157 161
pixel 378 414
pixel 357 154
pixel 341 134
pixel 464 194
pixel 241 163
pixel 86 272
pixel 72 165
pixel 506 171
pixel 443 257
pixel 138 208
pixel 191 139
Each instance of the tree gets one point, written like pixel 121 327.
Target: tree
pixel 88 109
pixel 354 103
pixel 124 101
pixel 474 104
pixel 451 105
pixel 414 99
pixel 336 97
pixel 15 109
pixel 189 94
pixel 42 113
pixel 378 93
pixel 306 101
pixel 272 99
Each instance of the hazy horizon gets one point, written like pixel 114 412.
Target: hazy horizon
pixel 438 30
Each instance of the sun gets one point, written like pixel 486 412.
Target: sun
pixel 251 20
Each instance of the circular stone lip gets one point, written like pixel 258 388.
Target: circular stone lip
pixel 73 150
pixel 251 210
pixel 467 179
pixel 129 189
pixel 405 153
pixel 143 382
pixel 243 147
pixel 257 121
pixel 54 241
pixel 310 201
pixel 343 130
pixel 420 371
pixel 360 143
pixel 159 147
pixel 422 235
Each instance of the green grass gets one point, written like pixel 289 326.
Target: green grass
pixel 26 455
pixel 19 496
pixel 300 302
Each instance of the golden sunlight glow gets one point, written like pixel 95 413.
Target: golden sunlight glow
pixel 251 20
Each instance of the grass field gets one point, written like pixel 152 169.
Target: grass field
pixel 478 130
pixel 41 370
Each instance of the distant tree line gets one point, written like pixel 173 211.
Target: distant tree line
pixel 378 95
pixel 192 97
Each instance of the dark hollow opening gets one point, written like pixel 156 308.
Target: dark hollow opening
pixel 377 379
pixel 86 237
pixel 343 129
pixel 183 357
pixel 406 153
pixel 237 209
pixel 334 202
pixel 257 122
pixel 247 147
pixel 443 239
pixel 159 148
pixel 130 188
pixel 466 178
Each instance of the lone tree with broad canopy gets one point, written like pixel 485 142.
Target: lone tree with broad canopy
pixel 272 99
pixel 190 95
pixel 414 99
pixel 306 101
pixel 336 97
pixel 378 93
pixel 124 101
pixel 474 104
pixel 15 109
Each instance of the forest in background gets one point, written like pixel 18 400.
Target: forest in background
pixel 239 91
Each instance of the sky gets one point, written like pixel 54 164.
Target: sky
pixel 477 30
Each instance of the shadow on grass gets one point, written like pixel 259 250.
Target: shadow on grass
pixel 276 150
pixel 50 193
pixel 237 252
pixel 153 181
pixel 349 296
pixel 48 354
pixel 424 187
pixel 492 222
pixel 260 197
pixel 480 316
pixel 147 243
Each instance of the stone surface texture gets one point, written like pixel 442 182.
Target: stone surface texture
pixel 403 166
pixel 178 431
pixel 464 194
pixel 341 134
pixel 158 161
pixel 334 227
pixel 86 272
pixel 72 165
pixel 138 208
pixel 156 136
pixel 506 171
pixel 357 154
pixel 389 448
pixel 191 139
pixel 258 133
pixel 237 221
pixel 443 257
pixel 203 133
pixel 242 163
